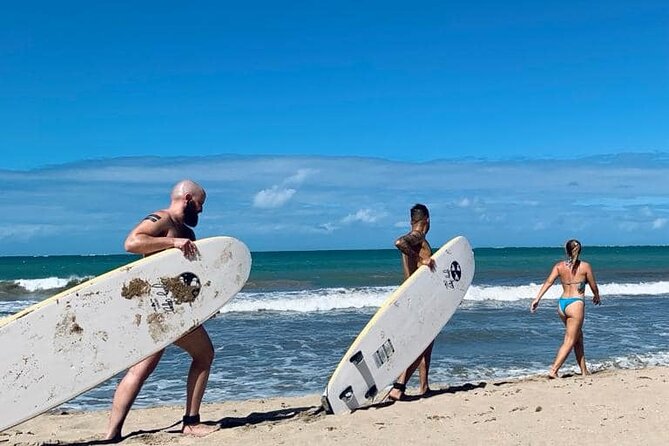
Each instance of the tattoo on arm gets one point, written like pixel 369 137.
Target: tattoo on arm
pixel 153 217
pixel 409 241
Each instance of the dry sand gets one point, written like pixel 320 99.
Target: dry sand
pixel 615 407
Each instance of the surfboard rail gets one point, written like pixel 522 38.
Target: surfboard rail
pixel 403 326
pixel 80 337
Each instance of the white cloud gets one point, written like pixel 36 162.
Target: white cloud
pixel 274 197
pixel 328 228
pixel 28 231
pixel 659 223
pixel 475 204
pixel 628 226
pixel 539 226
pixel 300 176
pixel 491 202
pixel 364 216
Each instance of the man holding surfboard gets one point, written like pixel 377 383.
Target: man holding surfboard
pixel 169 228
pixel 416 251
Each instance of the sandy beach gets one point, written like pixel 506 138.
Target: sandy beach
pixel 608 407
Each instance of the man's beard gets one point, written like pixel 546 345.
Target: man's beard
pixel 190 215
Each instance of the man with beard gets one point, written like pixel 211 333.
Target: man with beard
pixel 169 228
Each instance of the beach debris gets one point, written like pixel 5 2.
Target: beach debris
pixel 436 417
pixel 135 288
pixel 68 325
pixel 487 420
pixel 184 288
pixel 157 327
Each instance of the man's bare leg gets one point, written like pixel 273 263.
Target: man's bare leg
pixel 198 345
pixel 397 394
pixel 127 391
pixel 424 370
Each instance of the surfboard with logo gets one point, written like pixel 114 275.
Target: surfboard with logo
pixel 402 328
pixel 77 339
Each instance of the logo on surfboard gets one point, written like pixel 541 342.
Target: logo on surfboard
pixel 456 271
pixel 165 294
pixel 452 274
pixel 176 290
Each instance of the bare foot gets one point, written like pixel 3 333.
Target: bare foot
pixel 396 395
pixel 426 393
pixel 199 430
pixel 110 439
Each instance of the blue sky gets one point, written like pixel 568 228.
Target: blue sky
pixel 304 87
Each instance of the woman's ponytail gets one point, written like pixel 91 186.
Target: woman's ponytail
pixel 573 250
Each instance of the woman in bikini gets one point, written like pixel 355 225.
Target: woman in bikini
pixel 574 274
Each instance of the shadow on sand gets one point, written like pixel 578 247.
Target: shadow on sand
pixel 253 418
pixel 269 417
pixel 116 440
pixel 447 390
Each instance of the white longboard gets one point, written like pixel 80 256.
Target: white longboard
pixel 401 329
pixel 71 342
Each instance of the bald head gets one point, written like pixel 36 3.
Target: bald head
pixel 187 201
pixel 187 187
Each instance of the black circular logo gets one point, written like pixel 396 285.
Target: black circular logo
pixel 456 271
pixel 192 282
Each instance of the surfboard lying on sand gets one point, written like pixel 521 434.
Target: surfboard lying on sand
pixel 402 328
pixel 75 340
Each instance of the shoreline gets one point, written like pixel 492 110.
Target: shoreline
pixel 618 406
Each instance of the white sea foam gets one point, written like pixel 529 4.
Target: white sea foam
pixel 328 299
pixel 14 306
pixel 634 361
pixel 441 372
pixel 47 283
pixel 513 293
pixel 306 301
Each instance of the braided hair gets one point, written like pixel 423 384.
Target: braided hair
pixel 573 250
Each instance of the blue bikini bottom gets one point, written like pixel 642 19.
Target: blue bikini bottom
pixel 564 302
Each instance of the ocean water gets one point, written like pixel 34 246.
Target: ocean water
pixel 285 332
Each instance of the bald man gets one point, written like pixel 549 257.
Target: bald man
pixel 169 228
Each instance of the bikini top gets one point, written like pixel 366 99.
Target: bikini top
pixel 581 285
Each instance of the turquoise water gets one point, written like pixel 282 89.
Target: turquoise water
pixel 320 269
pixel 287 329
